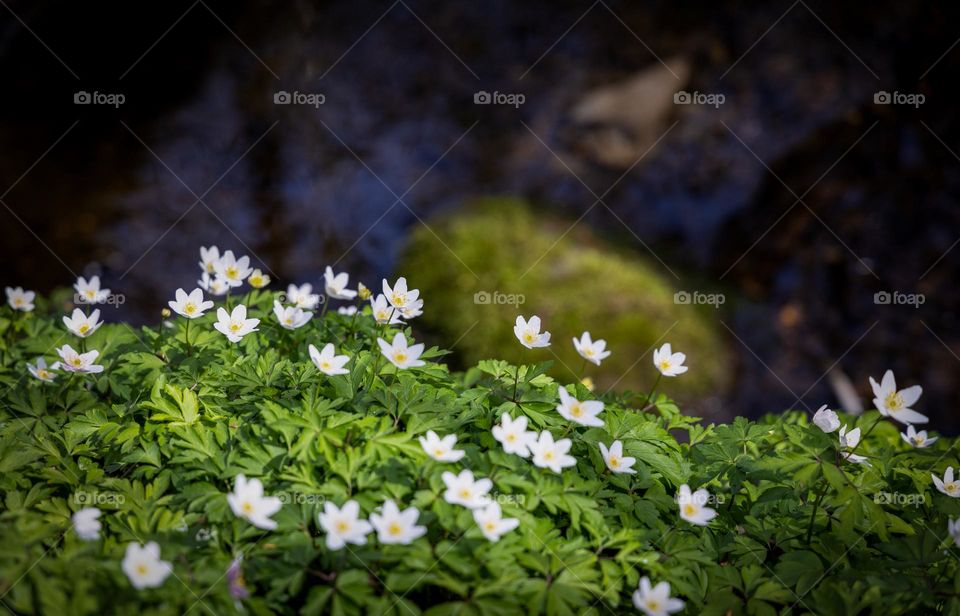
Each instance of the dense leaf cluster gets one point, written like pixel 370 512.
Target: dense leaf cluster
pixel 156 440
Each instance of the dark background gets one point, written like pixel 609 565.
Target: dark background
pixel 94 189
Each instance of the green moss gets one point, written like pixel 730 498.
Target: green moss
pixel 574 281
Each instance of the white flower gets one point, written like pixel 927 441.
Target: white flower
pixel 327 361
pixel 235 325
pixel 668 362
pixel 214 286
pixel 655 601
pixel 234 271
pixel 413 310
pixel 463 490
pixel 550 454
pixel 615 460
pixel 143 566
pixel 79 363
pixel 528 333
pixel 19 299
pixel 383 312
pixel 190 306
pixel 917 439
pixel 248 502
pixel 492 523
pixel 343 525
pixel 896 404
pixel 584 413
pixel 399 354
pixel 209 257
pixel 441 449
pixel 513 435
pixel 291 317
pixel 347 310
pixel 850 440
pixel 42 372
pixel 89 292
pixel 81 325
pixel 86 524
pixel 258 279
pixel 398 296
pixel 302 296
pixel 336 284
pixel 593 352
pixel 395 526
pixel 693 507
pixel 953 527
pixel 948 486
pixel 826 420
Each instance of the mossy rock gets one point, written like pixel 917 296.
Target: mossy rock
pixel 575 281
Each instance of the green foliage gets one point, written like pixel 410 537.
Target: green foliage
pixel 156 440
pixel 570 277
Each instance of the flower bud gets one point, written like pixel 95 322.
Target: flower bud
pixel 363 292
pixel 165 313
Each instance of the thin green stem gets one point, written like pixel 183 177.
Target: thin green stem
pixel 652 390
pixel 813 514
pixel 186 337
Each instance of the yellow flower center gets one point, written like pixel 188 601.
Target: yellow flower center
pixel 894 401
pixel 951 487
pixel 43 374
pixel 288 321
pixel 576 411
pixel 438 452
pixel 83 328
pixel 548 456
pixel 614 461
pixel 256 281
pixel 394 529
pixel 398 299
pixel 490 526
pixel 325 365
pixel 18 302
pixel 90 294
pixel 665 365
pixel 400 357
pixel 142 569
pixel 234 327
pixel 689 509
pixel 653 605
pixel 190 308
pixel 464 493
pixel 511 438
pixel 210 267
pixel 588 352
pixel 247 507
pixel 528 337
pixel 342 526
pixel 231 272
pixel 76 362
